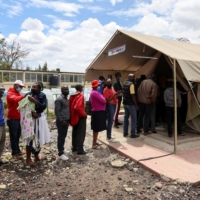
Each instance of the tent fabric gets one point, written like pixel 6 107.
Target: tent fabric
pixel 187 58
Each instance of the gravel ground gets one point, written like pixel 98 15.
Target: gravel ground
pixel 101 174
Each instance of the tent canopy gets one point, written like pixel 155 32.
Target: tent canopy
pixel 186 54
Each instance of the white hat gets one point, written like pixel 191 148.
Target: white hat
pixel 19 82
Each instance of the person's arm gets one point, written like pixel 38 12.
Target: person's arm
pixel 42 105
pixel 13 98
pixel 100 98
pixel 154 93
pixel 107 97
pixel 166 97
pixel 57 110
pixel 79 106
pixel 132 92
pixel 179 98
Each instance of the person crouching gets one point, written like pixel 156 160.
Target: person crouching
pixel 78 120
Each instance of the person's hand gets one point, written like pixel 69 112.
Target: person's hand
pixel 137 108
pixel 32 99
pixel 34 115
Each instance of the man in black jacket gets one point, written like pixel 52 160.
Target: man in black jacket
pixel 117 87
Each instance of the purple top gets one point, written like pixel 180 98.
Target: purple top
pixel 98 102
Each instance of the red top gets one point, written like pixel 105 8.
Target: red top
pixel 77 110
pixel 13 97
pixel 107 93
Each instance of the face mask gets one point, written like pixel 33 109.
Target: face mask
pixel 4 93
pixel 33 91
pixel 65 93
pixel 109 86
pixel 120 78
pixel 19 89
pixel 98 88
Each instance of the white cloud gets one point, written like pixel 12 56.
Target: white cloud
pixel 13 8
pixel 85 1
pixel 115 1
pixel 95 9
pixel 32 24
pixel 68 9
pixel 62 24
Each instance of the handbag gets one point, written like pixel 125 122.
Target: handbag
pixel 88 107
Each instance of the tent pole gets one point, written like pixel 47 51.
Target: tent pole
pixel 175 108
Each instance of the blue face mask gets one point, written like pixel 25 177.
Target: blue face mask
pixel 120 78
pixel 4 93
pixel 98 88
pixel 19 89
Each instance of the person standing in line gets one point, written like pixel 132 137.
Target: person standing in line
pixel 118 88
pixel 111 98
pixel 98 116
pixel 101 84
pixel 41 129
pixel 169 101
pixel 62 113
pixel 130 106
pixel 2 125
pixel 109 76
pixel 13 117
pixel 147 93
pixel 78 120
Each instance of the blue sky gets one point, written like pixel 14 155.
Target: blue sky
pixel 69 34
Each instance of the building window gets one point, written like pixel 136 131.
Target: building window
pixel 39 77
pixel 75 78
pixel 19 76
pixel 33 77
pixel 44 77
pixel 5 76
pixel 62 78
pixel 12 77
pixel 67 78
pixel 80 78
pixel 71 78
pixel 27 77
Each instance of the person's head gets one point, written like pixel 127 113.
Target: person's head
pixel 101 78
pixel 79 88
pixel 65 90
pixel 95 84
pixel 18 85
pixel 2 91
pixel 118 75
pixel 153 77
pixel 169 84
pixel 109 83
pixel 110 76
pixel 37 88
pixel 131 78
pixel 143 77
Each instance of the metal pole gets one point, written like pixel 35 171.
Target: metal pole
pixel 175 108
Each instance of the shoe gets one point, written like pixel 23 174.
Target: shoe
pixel 16 156
pixel 63 157
pixel 2 162
pixel 21 153
pixel 111 140
pixel 134 136
pixel 154 131
pixel 116 126
pixel 119 124
pixel 139 131
pixel 66 152
pixel 82 153
pixel 124 135
pixel 182 134
pixel 147 133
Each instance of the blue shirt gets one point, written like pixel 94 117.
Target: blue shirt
pixel 101 87
pixel 2 121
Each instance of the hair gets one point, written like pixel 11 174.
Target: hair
pixel 78 87
pixel 143 77
pixel 101 78
pixel 169 84
pixel 109 76
pixel 117 74
pixel 39 85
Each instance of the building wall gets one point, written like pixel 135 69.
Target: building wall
pixel 8 77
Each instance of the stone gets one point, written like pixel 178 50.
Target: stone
pixel 2 186
pixel 159 185
pixel 129 189
pixel 181 191
pixel 135 169
pixel 118 163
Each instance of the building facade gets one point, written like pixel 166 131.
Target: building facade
pixel 8 77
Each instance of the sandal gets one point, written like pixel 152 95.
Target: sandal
pixel 98 144
pixel 97 147
pixel 31 164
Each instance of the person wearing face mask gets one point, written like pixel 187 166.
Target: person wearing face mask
pixel 101 84
pixel 78 120
pixel 41 129
pixel 118 88
pixel 13 117
pixel 130 106
pixel 62 112
pixel 111 100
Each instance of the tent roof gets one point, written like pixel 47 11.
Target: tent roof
pixel 141 45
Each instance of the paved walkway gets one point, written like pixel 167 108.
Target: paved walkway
pixel 184 166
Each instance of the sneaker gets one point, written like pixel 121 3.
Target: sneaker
pixel 182 134
pixel 66 152
pixel 125 135
pixel 147 133
pixel 119 124
pixel 116 126
pixel 63 157
pixel 154 131
pixel 134 136
pixel 111 140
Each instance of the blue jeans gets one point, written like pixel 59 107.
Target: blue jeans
pixel 130 110
pixel 110 108
pixel 15 133
pixel 144 112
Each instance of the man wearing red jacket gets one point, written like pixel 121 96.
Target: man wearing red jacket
pixel 13 118
pixel 78 120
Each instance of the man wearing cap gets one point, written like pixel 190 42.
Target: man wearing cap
pixel 2 125
pixel 13 118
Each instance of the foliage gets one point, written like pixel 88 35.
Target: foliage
pixel 11 53
pixel 45 68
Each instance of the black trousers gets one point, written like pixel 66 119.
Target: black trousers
pixel 62 133
pixel 170 117
pixel 78 135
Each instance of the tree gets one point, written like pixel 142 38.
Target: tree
pixel 58 69
pixel 39 68
pixel 11 53
pixel 44 68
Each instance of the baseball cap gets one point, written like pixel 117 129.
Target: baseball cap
pixel 19 82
